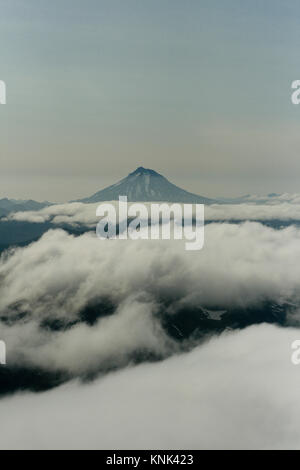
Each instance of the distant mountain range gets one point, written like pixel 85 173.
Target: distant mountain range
pixel 146 185
pixel 15 205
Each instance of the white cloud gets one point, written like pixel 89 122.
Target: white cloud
pixel 250 211
pixel 237 391
pixel 72 213
pixel 57 277
pixel 83 349
pixel 284 207
pixel 240 264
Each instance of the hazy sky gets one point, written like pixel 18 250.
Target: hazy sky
pixel 198 90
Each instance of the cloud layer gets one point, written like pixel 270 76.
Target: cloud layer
pixel 238 391
pixel 284 207
pixel 46 286
pixel 80 306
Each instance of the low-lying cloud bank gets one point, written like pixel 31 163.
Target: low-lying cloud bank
pixel 239 391
pixel 79 214
pixel 46 287
pixel 270 199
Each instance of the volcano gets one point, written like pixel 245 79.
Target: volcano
pixel 146 185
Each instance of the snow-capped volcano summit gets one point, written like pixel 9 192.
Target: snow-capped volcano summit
pixel 146 185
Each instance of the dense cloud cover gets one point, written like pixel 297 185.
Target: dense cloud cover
pixel 237 391
pixel 52 281
pixel 284 207
pixel 83 307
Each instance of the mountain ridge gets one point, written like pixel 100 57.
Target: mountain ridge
pixel 146 185
pixel 8 206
